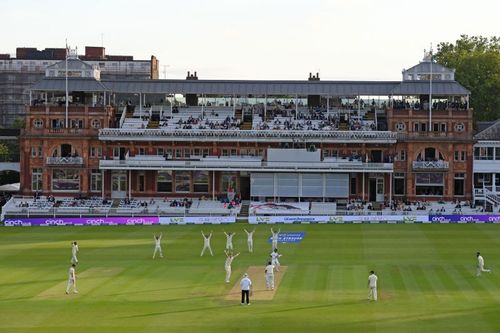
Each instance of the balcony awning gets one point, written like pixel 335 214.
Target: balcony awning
pixel 439 88
pixel 74 84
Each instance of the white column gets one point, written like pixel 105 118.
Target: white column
pixel 234 105
pixel 30 97
pixel 390 187
pixel 493 181
pixel 265 106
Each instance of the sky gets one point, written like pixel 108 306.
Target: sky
pixel 257 39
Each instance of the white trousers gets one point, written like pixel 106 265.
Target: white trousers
pixel 275 244
pixel 250 245
pixel 206 246
pixel 71 284
pixel 270 281
pixel 229 246
pixel 276 264
pixel 228 273
pixel 157 249
pixel 74 259
pixel 372 293
pixel 481 269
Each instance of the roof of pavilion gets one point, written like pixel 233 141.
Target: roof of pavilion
pixel 255 87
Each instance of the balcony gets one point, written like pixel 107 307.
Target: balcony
pixel 241 163
pixel 431 165
pixel 64 161
pixel 247 135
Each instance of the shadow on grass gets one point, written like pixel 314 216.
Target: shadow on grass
pixel 28 282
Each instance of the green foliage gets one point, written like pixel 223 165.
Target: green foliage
pixel 477 63
pixel 19 123
pixel 4 150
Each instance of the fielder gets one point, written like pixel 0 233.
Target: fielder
pixel 74 251
pixel 158 245
pixel 206 243
pixel 71 280
pixel 229 260
pixel 250 239
pixel 274 259
pixel 269 271
pixel 274 238
pixel 229 240
pixel 480 265
pixel 372 286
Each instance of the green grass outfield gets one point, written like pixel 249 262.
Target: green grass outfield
pixel 426 280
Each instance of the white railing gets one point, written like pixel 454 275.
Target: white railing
pixel 442 165
pixel 64 160
pixel 124 115
pixel 266 135
pixel 238 163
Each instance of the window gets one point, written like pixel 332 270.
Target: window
pixel 178 153
pixel 435 127
pixel 164 181
pixel 423 127
pixel 234 152
pixel 200 181
pixel 57 123
pixel 429 184
pixel 459 155
pixel 66 180
pixel 225 152
pixel 459 184
pixel 36 180
pixel 399 183
pixel 141 182
pixel 400 126
pixel 76 123
pixel 34 151
pixel 182 181
pixel 354 189
pixel 95 181
pixel 142 151
pixel 95 152
pixel 96 123
pixel 416 127
pixel 38 123
pixel 459 127
pixel 402 155
pixel 187 153
pixel 483 153
pixel 497 153
pixel 160 151
pixel 443 127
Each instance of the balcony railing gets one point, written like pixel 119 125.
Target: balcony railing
pixel 65 161
pixel 431 165
pixel 242 164
pixel 247 135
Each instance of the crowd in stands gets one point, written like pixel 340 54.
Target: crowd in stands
pixel 438 105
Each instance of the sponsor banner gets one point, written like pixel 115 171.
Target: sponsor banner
pixel 198 220
pixel 340 219
pixel 289 237
pixel 290 219
pixel 49 221
pixel 464 218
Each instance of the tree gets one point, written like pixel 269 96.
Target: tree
pixel 19 122
pixel 476 60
